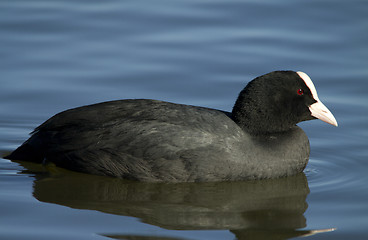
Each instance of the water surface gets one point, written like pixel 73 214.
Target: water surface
pixel 61 54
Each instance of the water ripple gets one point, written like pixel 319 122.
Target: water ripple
pixel 332 174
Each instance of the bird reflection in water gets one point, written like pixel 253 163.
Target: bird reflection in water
pixel 263 209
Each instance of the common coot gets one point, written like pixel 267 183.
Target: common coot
pixel 150 140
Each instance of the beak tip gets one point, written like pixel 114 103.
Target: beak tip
pixel 333 120
pixel 320 111
pixel 336 124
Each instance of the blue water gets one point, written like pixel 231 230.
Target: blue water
pixel 55 55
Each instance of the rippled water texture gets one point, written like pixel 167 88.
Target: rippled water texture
pixel 55 55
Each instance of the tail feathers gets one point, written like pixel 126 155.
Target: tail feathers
pixel 27 152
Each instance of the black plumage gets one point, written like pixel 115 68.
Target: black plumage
pixel 150 140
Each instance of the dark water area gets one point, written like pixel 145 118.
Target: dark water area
pixel 56 55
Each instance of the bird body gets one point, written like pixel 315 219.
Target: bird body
pixel 150 140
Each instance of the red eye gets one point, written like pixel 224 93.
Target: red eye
pixel 300 92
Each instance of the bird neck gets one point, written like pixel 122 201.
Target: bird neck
pixel 258 121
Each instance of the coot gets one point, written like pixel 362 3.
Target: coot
pixel 150 140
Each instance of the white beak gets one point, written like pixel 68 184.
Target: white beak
pixel 320 111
